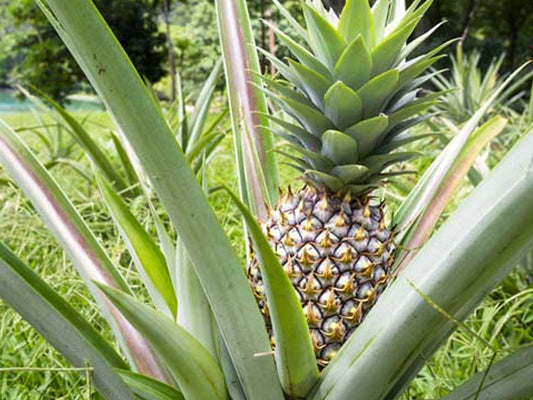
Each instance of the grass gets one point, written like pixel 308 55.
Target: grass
pixel 31 369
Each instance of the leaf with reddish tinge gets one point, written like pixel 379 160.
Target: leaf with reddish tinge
pixel 86 253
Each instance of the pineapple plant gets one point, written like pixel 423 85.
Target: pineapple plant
pixel 214 345
pixel 353 94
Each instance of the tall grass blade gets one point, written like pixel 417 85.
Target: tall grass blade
pixel 133 180
pixel 201 107
pixel 508 379
pixel 194 311
pixel 89 146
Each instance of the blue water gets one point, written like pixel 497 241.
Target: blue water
pixel 10 104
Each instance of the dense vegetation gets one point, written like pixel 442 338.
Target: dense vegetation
pixel 492 27
pixel 32 55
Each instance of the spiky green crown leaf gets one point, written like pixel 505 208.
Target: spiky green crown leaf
pixel 352 90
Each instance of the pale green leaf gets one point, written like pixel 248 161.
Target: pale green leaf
pixel 377 92
pixel 309 141
pixel 350 174
pixel 294 353
pixel 339 148
pixel 368 133
pixel 380 11
pixel 378 163
pixel 410 111
pixel 292 21
pixel 357 19
pixel 302 54
pixel 194 311
pixel 402 140
pixel 61 325
pixel 354 66
pixel 239 321
pixel 324 39
pixel 189 363
pixel 147 256
pixel 147 388
pixel 416 43
pixel 342 105
pixel 311 119
pixel 317 160
pixel 331 182
pixel 314 84
pixel 387 53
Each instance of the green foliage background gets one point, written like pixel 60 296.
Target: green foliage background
pixel 34 55
pixel 506 319
pixel 31 53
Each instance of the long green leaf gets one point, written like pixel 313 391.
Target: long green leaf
pixel 295 357
pixel 149 389
pixel 61 325
pixel 89 145
pixel 356 19
pixel 201 107
pixel 487 234
pixel 425 189
pixel 133 179
pixel 247 103
pixel 508 379
pixel 380 11
pixel 232 381
pixel 103 60
pixel 424 226
pixel 354 75
pixel 194 311
pixel 375 93
pixel 325 40
pixel 189 363
pixel 205 141
pixel 86 253
pixel 147 256
pixel 302 54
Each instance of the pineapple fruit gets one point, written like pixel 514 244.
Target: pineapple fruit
pixel 353 92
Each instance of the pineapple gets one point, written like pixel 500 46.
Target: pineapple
pixel 353 93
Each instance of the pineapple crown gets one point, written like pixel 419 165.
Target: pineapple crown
pixel 352 91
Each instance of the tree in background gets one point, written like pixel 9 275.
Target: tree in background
pixel 45 63
pixel 194 35
pixel 492 26
pixel 509 24
pixel 187 40
pixel 336 5
pixel 166 10
pixel 265 38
